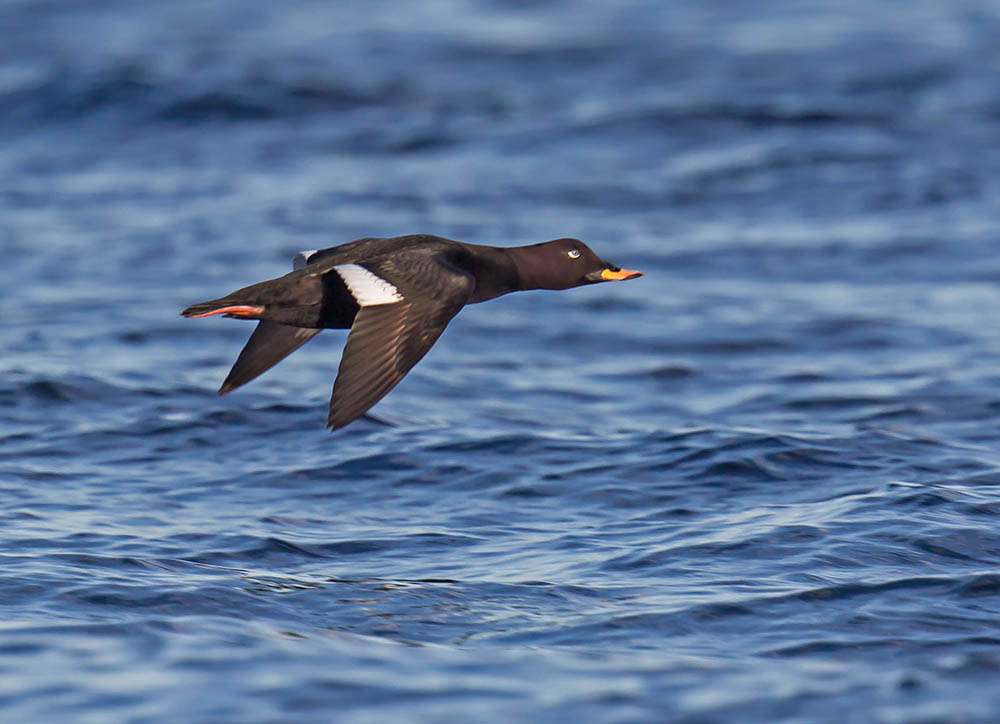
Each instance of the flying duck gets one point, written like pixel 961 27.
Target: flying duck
pixel 396 295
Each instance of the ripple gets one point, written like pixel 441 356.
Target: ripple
pixel 759 484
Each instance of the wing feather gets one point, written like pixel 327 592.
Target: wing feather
pixel 387 340
pixel 269 344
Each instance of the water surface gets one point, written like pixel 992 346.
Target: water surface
pixel 761 483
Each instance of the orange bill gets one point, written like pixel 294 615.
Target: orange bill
pixel 617 275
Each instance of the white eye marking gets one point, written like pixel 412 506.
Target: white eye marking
pixel 367 288
pixel 573 253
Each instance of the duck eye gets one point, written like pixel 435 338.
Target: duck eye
pixel 573 253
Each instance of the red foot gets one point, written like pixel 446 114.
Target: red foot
pixel 241 310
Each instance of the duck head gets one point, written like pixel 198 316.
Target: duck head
pixel 563 264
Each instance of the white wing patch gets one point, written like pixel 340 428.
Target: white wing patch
pixel 302 258
pixel 368 288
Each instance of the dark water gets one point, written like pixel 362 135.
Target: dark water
pixel 761 483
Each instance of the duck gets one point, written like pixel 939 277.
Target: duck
pixel 396 295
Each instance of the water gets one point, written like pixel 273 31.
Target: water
pixel 760 483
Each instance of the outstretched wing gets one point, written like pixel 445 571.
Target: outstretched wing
pixel 268 345
pixel 389 337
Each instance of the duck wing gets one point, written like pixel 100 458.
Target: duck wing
pixel 405 303
pixel 268 345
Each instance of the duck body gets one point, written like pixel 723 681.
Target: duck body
pixel 396 294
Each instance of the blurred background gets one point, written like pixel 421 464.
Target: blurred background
pixel 759 483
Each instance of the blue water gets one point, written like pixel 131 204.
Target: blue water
pixel 761 483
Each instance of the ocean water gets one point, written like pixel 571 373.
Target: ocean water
pixel 761 483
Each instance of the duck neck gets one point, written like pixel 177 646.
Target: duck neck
pixel 496 271
pixel 534 271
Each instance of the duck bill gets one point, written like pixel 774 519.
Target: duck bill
pixel 617 275
pixel 613 274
